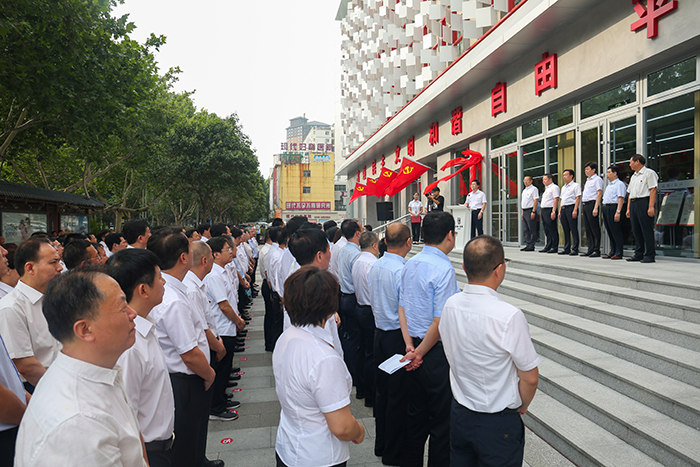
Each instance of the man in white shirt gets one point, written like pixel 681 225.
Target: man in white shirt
pixel 90 420
pixel 146 378
pixel 640 210
pixel 265 286
pixel 493 363
pixel 204 231
pixel 476 201
pixel 350 333
pixel 183 340
pixel 529 198
pixel 548 211
pixel 275 326
pixel 613 199
pixel 365 365
pixel 568 212
pixel 335 250
pixel 22 323
pixel 5 288
pixel 415 208
pixel 137 232
pixel 591 198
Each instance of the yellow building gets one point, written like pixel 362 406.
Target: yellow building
pixel 305 181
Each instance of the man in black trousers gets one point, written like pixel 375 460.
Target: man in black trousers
pixel 568 212
pixel 640 210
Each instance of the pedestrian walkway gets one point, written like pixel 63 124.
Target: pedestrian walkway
pixel 250 440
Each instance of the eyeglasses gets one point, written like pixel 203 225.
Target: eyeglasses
pixel 225 249
pixel 505 261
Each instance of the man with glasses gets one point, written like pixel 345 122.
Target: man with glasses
pixel 488 346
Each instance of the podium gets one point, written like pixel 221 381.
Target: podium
pixel 463 224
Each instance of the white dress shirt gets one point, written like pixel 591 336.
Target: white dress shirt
pixel 475 199
pixel 232 272
pixel 486 341
pixel 285 269
pixel 273 264
pixel 590 189
pixel 107 251
pixel 262 254
pixel 242 258
pixel 528 197
pixel 335 251
pixel 219 289
pixel 197 293
pixel 10 378
pixel 360 277
pixel 551 192
pixel 642 182
pixel 79 416
pixel 615 190
pixel 24 327
pixel 5 289
pixel 569 193
pixel 147 383
pixel 346 258
pixel 310 379
pixel 179 328
pixel 414 207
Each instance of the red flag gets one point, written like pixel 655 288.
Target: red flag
pixel 408 173
pixel 474 159
pixel 371 187
pixel 360 190
pixel 385 178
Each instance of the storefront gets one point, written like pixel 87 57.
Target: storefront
pixel 554 86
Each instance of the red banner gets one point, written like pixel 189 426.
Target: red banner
pixel 474 159
pixel 408 172
pixel 360 190
pixel 371 187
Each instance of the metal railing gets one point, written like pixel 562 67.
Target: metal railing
pixel 381 229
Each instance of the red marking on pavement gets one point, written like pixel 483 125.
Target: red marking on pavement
pixel 243 359
pixel 236 390
pixel 227 441
pixel 241 373
pixel 246 337
pixel 246 347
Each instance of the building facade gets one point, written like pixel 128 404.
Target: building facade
pixel 552 85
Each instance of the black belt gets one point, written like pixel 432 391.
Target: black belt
pixel 588 202
pixel 161 445
pixel 184 376
pixel 418 340
pixel 639 199
pixel 347 294
pixel 610 204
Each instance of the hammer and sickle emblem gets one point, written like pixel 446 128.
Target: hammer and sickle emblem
pixel 387 174
pixel 407 170
pixel 360 188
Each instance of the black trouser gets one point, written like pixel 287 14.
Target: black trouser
pixel 415 226
pixel 530 228
pixel 570 227
pixel 614 229
pixel 29 387
pixel 477 224
pixel 429 398
pixel 8 438
pixel 277 324
pixel 223 371
pixel 550 229
pixel 592 224
pixel 391 402
pixel 243 300
pixel 350 339
pixel 279 462
pixel 478 438
pixel 192 405
pixel 365 366
pixel 267 325
pixel 159 457
pixel 642 228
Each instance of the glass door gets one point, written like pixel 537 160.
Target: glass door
pixel 621 146
pixel 592 148
pixel 504 194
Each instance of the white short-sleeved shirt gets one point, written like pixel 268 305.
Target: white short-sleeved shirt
pixel 242 258
pixel 642 182
pixel 414 207
pixel 360 277
pixel 285 269
pixel 528 197
pixel 310 379
pixel 569 193
pixel 79 415
pixel 24 327
pixel 273 266
pixel 232 272
pixel 220 289
pixel 590 189
pixel 551 192
pixel 615 190
pixel 5 289
pixel 261 259
pixel 335 251
pixel 147 383
pixel 486 341
pixel 9 378
pixel 197 293
pixel 475 199
pixel 178 327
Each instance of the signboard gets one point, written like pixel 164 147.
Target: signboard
pixel 322 158
pixel 320 147
pixel 17 227
pixel 74 223
pixel 308 205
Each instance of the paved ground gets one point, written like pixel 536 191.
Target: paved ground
pixel 250 440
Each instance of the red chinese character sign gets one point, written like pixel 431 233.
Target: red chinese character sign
pixel 374 167
pixel 411 146
pixel 397 153
pixel 383 161
pixel 498 99
pixel 433 135
pixel 649 16
pixel 364 173
pixel 546 73
pixel 456 121
pixel 358 176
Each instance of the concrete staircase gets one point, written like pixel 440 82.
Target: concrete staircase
pixel 620 373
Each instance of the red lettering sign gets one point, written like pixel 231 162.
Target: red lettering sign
pixel 293 146
pixel 383 161
pixel 397 153
pixel 434 137
pixel 546 73
pixel 312 146
pixel 456 122
pixel 358 176
pixel 498 99
pixel 411 146
pixel 329 148
pixel 364 173
pixel 302 146
pixel 284 146
pixel 374 167
pixel 649 16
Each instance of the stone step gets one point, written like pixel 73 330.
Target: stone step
pixel 572 299
pixel 668 359
pixel 585 443
pixel 657 435
pixel 683 309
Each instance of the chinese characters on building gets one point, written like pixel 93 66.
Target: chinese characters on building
pixel 546 73
pixel 320 147
pixel 433 135
pixel 649 16
pixel 498 99
pixel 308 206
pixel 456 122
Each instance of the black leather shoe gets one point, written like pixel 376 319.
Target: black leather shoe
pixel 564 252
pixel 231 384
pixel 544 251
pixel 634 258
pixel 234 377
pixel 574 253
pixel 588 253
pixel 594 255
pixel 236 369
pixel 552 252
pixel 528 248
pixel 647 260
pixel 215 463
pixel 238 349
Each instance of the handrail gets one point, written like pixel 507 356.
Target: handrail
pixel 383 227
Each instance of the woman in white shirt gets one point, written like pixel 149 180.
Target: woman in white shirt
pixel 415 208
pixel 476 201
pixel 312 382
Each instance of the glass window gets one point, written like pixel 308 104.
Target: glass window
pixel 612 99
pixel 507 137
pixel 533 163
pixel 561 117
pixel 562 154
pixel 307 173
pixel 307 189
pixel 339 188
pixel 532 128
pixel 671 77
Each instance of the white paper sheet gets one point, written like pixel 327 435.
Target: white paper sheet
pixel 392 364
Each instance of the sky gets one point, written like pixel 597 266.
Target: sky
pixel 266 60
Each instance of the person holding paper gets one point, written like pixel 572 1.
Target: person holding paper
pixel 312 382
pixel 390 403
pixel 493 363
